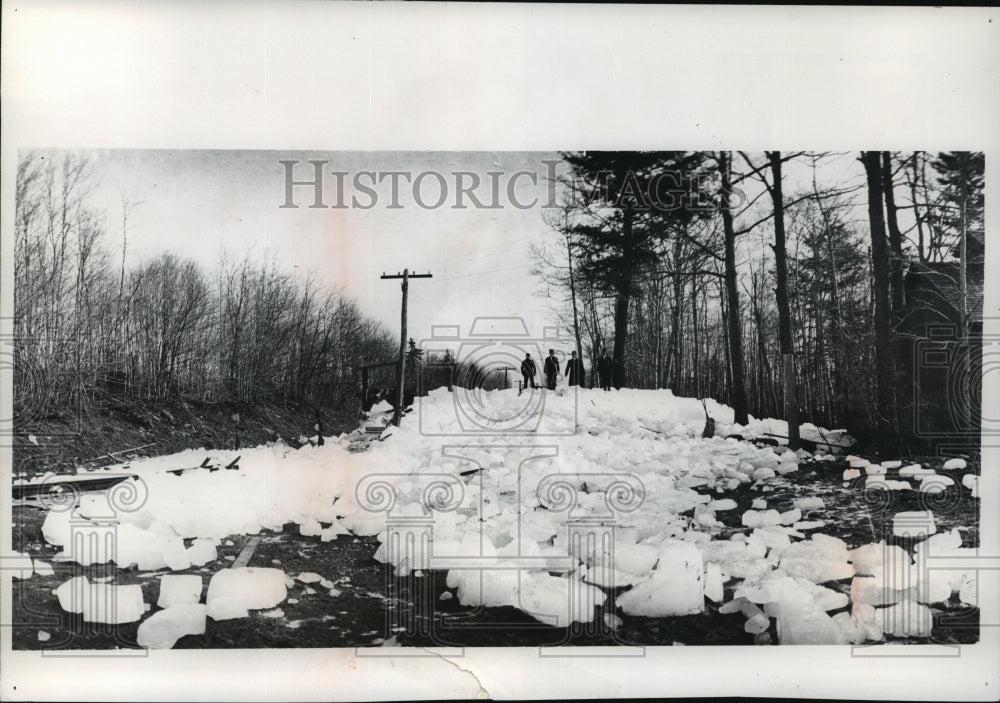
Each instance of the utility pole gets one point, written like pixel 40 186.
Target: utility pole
pixel 401 364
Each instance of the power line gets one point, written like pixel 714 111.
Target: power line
pixel 483 273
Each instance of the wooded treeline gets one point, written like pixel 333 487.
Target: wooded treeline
pixel 786 284
pixel 91 330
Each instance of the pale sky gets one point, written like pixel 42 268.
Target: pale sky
pixel 207 204
pixel 203 204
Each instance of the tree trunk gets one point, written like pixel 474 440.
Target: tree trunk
pixel 791 406
pixel 726 346
pixel 622 301
pixel 740 410
pixel 895 239
pixel 694 347
pixel 884 360
pixel 572 292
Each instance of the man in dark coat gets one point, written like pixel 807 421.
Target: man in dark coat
pixel 551 370
pixel 574 371
pixel 528 370
pixel 604 370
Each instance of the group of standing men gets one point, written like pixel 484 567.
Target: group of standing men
pixel 575 374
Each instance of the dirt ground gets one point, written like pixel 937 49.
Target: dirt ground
pixel 371 607
pixel 87 438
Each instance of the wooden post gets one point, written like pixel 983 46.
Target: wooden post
pixel 401 370
pixel 401 363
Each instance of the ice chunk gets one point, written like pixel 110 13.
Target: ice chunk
pixel 749 609
pixel 866 616
pixel 791 516
pixel 785 468
pixel 309 577
pixel 757 624
pixel 894 464
pixel 914 523
pixel 635 559
pixel 179 590
pixel 56 527
pixel 906 619
pixel 773 537
pixel 800 617
pixel 854 631
pixel 851 474
pixel 175 556
pixel 809 524
pixel 756 546
pixel 115 604
pixel 382 406
pixel 887 484
pixel 857 462
pixel 759 504
pixel 233 592
pixel 713 582
pixel 819 559
pixel 72 594
pixel 936 586
pixel 766 459
pixel 763 473
pixel 201 552
pixel 18 565
pixel 811 503
pixel 935 483
pixel 916 471
pixel 558 601
pixel 940 545
pixel 808 627
pixel 753 518
pixel 722 504
pixel 953 464
pixel 162 629
pixel 675 588
pixel 310 527
pixel 816 571
pixel 872 590
pixel 969 591
pixel 150 561
pixel 733 606
pixel 101 602
pixel 971 481
pixel 878 559
pixel 333 531
pixel 875 470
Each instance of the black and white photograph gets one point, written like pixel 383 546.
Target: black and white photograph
pixel 586 401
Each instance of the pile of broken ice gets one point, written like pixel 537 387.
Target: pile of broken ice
pixel 511 499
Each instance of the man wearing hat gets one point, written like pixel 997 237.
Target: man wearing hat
pixel 551 370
